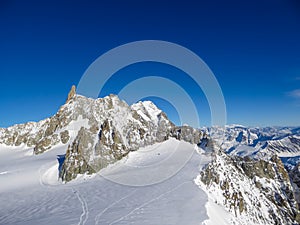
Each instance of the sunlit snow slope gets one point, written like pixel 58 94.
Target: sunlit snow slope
pixel 31 194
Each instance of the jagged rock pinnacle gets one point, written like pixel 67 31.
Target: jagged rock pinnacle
pixel 72 93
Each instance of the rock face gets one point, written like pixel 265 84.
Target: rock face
pixel 76 157
pixel 41 135
pixel 254 191
pixel 45 134
pixel 113 130
pixel 97 132
pixel 295 180
pixel 187 134
pixel 71 94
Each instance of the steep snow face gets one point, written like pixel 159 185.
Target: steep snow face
pixel 254 192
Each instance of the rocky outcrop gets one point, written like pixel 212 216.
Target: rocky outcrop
pixel 254 191
pixel 294 175
pixel 72 93
pixel 111 126
pixel 188 134
pixel 119 130
pixel 76 158
pixel 42 135
pixel 64 136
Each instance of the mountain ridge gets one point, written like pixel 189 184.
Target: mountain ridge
pixel 95 133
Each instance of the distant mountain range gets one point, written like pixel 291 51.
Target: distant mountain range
pixel 259 142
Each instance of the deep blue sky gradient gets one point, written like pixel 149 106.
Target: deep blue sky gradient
pixel 253 48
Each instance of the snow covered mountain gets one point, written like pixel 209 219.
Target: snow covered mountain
pixel 235 175
pixel 97 132
pixel 259 142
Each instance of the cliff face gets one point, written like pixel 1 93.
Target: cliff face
pixel 254 191
pixel 115 130
pixel 295 180
pixel 97 132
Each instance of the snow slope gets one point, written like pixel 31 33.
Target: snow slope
pixel 31 194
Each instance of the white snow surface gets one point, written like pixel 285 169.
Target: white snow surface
pixel 147 110
pixel 30 192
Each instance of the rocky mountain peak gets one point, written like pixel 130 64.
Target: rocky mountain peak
pixel 72 93
pixel 97 132
pixel 114 129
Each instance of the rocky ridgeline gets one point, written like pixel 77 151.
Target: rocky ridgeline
pixel 41 135
pixel 45 134
pixel 121 129
pixel 97 132
pixel 289 144
pixel 254 191
pixel 264 142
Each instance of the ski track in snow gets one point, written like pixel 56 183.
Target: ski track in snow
pixel 97 218
pixel 148 202
pixel 34 196
pixel 85 211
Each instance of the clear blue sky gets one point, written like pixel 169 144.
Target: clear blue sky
pixel 253 48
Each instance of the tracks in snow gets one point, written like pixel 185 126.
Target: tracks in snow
pixel 85 211
pixel 97 218
pixel 148 202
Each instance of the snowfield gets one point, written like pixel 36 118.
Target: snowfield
pixel 30 192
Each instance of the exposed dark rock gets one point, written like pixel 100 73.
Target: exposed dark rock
pixel 112 139
pixel 42 146
pixel 295 179
pixel 71 94
pixel 269 178
pixel 188 134
pixel 75 159
pixel 64 136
